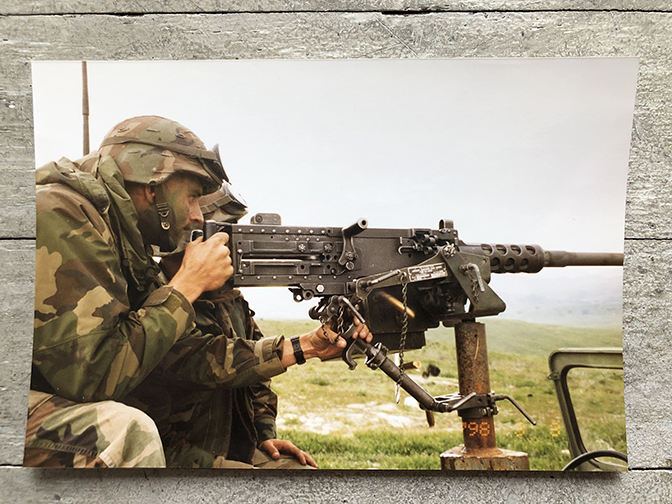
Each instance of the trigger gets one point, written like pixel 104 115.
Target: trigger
pixel 349 350
pixel 347 354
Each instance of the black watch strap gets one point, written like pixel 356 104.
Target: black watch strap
pixel 298 353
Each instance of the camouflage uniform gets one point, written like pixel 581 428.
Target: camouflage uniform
pixel 104 321
pixel 202 425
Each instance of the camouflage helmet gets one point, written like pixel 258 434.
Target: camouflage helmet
pixel 150 149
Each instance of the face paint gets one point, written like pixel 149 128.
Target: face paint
pixel 182 193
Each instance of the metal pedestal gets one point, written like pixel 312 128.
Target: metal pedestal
pixel 479 451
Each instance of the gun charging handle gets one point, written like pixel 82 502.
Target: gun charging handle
pixel 376 358
pixel 349 254
pixel 347 335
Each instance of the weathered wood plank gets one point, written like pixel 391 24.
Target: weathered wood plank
pixel 648 382
pixel 52 7
pixel 16 313
pixel 647 332
pixel 382 487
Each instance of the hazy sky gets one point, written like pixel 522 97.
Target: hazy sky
pixel 514 151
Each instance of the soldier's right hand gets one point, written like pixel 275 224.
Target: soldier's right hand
pixel 206 266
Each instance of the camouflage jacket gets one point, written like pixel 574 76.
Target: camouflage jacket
pixel 198 424
pixel 226 312
pixel 103 317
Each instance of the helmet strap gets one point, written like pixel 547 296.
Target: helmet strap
pixel 163 210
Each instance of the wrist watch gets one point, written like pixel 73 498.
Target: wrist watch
pixel 298 353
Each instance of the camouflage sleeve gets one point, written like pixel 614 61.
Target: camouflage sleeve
pixel 219 361
pixel 88 344
pixel 265 407
pixel 264 400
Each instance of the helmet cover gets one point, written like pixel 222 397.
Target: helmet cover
pixel 151 149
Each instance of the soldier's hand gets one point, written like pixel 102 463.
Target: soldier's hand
pixel 323 342
pixel 274 447
pixel 206 266
pixel 327 343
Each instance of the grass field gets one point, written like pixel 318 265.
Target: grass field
pixel 349 420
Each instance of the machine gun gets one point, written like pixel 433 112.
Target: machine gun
pixel 446 280
pixel 400 282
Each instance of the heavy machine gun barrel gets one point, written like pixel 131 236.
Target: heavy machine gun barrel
pixel 560 258
pixel 532 258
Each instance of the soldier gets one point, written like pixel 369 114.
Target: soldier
pixel 104 318
pixel 202 427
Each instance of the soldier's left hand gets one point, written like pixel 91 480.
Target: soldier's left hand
pixel 274 447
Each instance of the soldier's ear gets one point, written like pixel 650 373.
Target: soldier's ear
pixel 150 194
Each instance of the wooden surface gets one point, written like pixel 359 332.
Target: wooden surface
pixel 69 30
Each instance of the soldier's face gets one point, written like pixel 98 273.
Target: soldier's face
pixel 182 193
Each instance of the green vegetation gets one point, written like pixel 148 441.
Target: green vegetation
pixel 348 420
pixel 375 449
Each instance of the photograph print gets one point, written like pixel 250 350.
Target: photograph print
pixel 333 264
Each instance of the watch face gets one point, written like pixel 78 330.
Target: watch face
pixel 298 352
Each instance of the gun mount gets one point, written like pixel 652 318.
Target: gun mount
pixel 401 282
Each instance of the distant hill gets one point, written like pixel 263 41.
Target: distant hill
pixel 574 315
pixel 575 297
pixel 524 338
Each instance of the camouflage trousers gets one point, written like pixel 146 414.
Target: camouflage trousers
pixel 63 433
pixel 260 460
pixel 200 459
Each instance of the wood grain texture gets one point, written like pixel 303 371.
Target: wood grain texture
pixel 55 7
pixel 645 32
pixel 30 486
pixel 16 313
pixel 647 323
